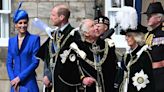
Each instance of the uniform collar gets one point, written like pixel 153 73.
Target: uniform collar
pixel 157 29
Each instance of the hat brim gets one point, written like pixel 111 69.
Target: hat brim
pixel 144 13
pixel 128 31
pixel 122 32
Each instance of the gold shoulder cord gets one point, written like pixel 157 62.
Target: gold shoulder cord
pixel 149 38
pixel 162 26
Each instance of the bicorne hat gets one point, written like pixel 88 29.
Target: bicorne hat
pixel 155 7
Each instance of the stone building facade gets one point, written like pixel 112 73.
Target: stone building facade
pixel 80 9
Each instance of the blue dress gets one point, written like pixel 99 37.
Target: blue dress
pixel 22 62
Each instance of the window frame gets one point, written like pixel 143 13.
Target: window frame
pixel 4 22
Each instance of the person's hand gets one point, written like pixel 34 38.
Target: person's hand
pixel 15 83
pixel 16 89
pixel 88 81
pixel 46 81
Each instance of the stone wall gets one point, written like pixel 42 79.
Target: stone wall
pixel 80 9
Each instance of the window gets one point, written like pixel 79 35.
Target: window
pixel 0 4
pixel 5 10
pixel 129 3
pixel 111 7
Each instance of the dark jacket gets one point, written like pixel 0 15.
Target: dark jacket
pixel 65 74
pixel 138 62
pixel 108 64
pixel 156 39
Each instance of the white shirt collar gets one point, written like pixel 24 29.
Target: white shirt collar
pixel 63 27
pixel 129 50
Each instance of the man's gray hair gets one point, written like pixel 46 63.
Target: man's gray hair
pixel 83 27
pixel 161 15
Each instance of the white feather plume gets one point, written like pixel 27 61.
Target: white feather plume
pixel 127 18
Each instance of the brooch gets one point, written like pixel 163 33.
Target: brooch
pixel 72 57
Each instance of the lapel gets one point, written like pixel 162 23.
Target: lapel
pixel 24 43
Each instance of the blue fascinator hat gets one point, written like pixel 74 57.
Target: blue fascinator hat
pixel 20 14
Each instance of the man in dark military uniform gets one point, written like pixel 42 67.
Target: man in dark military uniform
pixel 99 65
pixel 55 52
pixel 155 39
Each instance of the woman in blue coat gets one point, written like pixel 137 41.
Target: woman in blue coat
pixel 21 60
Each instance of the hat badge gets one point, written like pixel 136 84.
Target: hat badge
pixel 100 20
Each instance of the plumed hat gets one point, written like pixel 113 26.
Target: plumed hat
pixel 102 20
pixel 140 29
pixel 155 7
pixel 20 14
pixel 126 18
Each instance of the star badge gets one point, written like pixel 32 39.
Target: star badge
pixel 140 80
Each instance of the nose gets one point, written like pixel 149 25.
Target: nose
pixel 23 26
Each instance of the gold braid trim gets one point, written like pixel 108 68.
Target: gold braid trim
pixel 126 74
pixel 60 46
pixel 91 63
pixel 149 39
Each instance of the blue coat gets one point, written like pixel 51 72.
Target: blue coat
pixel 22 62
